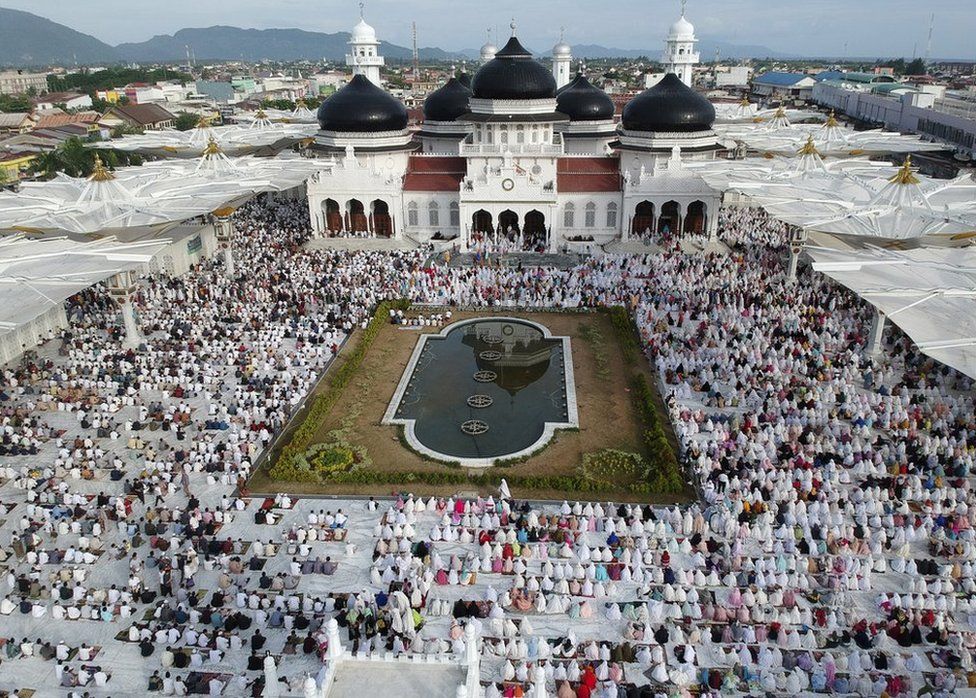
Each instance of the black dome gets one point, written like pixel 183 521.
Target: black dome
pixel 582 101
pixel 362 107
pixel 464 79
pixel 513 74
pixel 668 106
pixel 447 103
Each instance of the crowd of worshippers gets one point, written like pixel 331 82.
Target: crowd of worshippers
pixel 822 470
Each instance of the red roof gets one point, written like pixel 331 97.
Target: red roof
pixel 596 174
pixel 434 173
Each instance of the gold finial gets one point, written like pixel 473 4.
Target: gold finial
pixel 832 120
pixel 757 120
pixel 203 122
pixel 261 114
pixel 300 104
pixel 100 173
pixel 809 148
pixel 211 149
pixel 780 113
pixel 905 174
pixel 745 102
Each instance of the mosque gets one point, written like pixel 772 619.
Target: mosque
pixel 518 150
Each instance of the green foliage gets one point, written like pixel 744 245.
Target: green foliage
pixel 627 335
pixel 88 82
pixel 15 103
pixel 664 470
pixel 322 404
pixel 592 336
pixel 280 104
pixel 185 120
pixel 75 160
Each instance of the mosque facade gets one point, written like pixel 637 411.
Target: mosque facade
pixel 517 150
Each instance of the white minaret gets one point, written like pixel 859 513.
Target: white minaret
pixel 489 50
pixel 364 58
pixel 680 56
pixel 562 57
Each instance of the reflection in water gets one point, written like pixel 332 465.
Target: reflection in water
pixel 511 364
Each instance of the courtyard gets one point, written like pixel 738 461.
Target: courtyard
pixel 359 437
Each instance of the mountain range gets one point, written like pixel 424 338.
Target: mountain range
pixel 29 40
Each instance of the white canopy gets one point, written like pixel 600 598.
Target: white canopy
pixel 851 197
pixel 239 139
pixel 154 195
pixel 779 136
pixel 36 275
pixel 930 293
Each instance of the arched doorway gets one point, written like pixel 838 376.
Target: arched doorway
pixel 695 219
pixel 643 221
pixel 508 221
pixel 667 224
pixel 481 222
pixel 333 217
pixel 382 223
pixel 535 238
pixel 356 216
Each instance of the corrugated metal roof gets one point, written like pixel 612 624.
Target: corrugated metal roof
pixel 779 79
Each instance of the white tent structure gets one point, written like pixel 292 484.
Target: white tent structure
pixel 150 196
pixel 745 112
pixel 852 198
pixel 37 276
pixel 301 114
pixel 779 136
pixel 239 139
pixel 930 293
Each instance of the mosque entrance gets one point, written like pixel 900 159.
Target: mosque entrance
pixel 481 222
pixel 382 223
pixel 333 217
pixel 667 224
pixel 535 235
pixel 508 222
pixel 695 219
pixel 356 216
pixel 642 224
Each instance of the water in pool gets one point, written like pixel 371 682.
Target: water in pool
pixel 486 390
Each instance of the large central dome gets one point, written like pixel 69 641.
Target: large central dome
pixel 669 106
pixel 513 74
pixel 362 107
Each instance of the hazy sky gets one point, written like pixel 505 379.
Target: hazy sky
pixel 867 27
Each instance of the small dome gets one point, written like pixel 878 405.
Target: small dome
pixel 465 80
pixel 447 103
pixel 488 51
pixel 580 100
pixel 668 106
pixel 362 33
pixel 682 28
pixel 513 74
pixel 362 107
pixel 562 49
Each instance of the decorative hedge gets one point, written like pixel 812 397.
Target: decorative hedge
pixel 665 471
pixel 290 462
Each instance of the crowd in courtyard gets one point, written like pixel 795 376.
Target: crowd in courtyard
pixel 831 550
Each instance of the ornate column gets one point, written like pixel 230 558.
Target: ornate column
pixel 122 288
pixel 472 658
pixel 876 336
pixel 224 228
pixel 797 238
pixel 335 643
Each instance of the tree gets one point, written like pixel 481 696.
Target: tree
pixel 185 120
pixel 916 67
pixel 75 160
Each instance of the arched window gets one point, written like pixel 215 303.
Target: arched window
pixel 589 219
pixel 433 214
pixel 412 216
pixel 569 216
pixel 504 136
pixel 455 215
pixel 611 215
pixel 519 134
